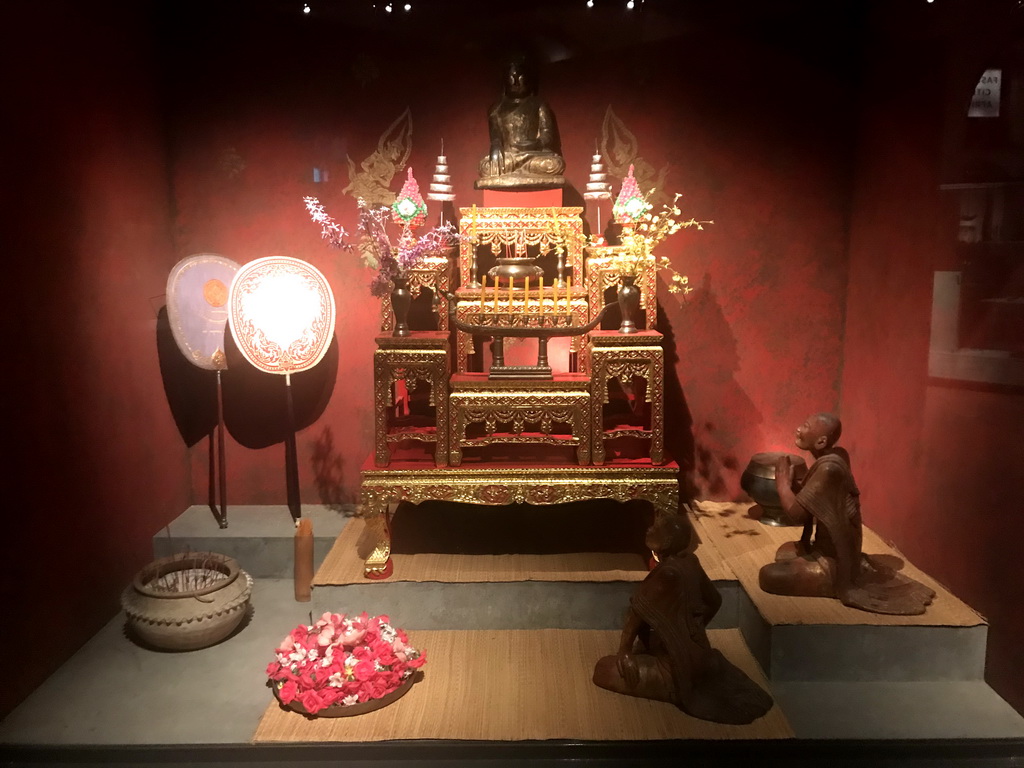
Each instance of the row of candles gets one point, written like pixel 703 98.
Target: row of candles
pixel 567 295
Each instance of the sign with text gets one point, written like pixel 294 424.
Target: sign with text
pixel 985 101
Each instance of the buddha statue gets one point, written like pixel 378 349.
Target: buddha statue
pixel 524 138
pixel 664 652
pixel 828 561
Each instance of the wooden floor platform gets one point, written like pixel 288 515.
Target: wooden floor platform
pixel 522 685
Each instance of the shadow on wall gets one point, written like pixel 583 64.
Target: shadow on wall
pixel 191 391
pixel 678 421
pixel 255 404
pixel 328 470
pixel 708 346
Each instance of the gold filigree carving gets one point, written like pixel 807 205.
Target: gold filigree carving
pixel 498 486
pixel 624 363
pixel 517 228
pixel 411 364
pixel 519 409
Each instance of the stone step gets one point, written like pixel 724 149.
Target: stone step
pixel 260 537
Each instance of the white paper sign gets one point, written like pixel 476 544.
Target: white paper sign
pixel 985 102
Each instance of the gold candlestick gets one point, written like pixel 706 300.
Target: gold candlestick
pixel 483 290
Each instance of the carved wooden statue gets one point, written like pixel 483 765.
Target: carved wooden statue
pixel 827 561
pixel 664 652
pixel 524 151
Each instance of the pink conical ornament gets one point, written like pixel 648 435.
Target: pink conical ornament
pixel 409 208
pixel 630 204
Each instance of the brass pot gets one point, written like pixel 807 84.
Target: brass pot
pixel 758 480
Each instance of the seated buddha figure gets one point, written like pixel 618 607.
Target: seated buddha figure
pixel 664 653
pixel 827 561
pixel 524 138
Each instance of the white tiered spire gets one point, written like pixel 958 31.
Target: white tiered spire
pixel 598 187
pixel 441 184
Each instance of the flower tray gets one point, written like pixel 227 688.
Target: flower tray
pixel 341 710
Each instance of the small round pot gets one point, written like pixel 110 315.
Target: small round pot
pixel 169 608
pixel 758 480
pixel 340 710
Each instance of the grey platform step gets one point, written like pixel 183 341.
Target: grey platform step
pixel 500 605
pixel 156 703
pixel 260 537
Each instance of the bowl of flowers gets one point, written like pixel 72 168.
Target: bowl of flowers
pixel 343 665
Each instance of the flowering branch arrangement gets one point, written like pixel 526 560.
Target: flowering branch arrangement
pixel 640 239
pixel 390 259
pixel 395 259
pixel 342 660
pixel 330 230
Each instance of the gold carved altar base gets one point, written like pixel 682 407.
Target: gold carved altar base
pixel 546 415
pixel 475 399
pixel 495 485
pixel 420 357
pixel 625 357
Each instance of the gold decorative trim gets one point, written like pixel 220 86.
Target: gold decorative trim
pixel 512 485
pixel 623 363
pixel 519 408
pixel 520 228
pixel 412 364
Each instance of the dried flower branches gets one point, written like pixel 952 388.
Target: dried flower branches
pixel 391 260
pixel 640 240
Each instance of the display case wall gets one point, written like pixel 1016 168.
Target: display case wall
pixel 142 138
pixel 95 461
pixel 936 459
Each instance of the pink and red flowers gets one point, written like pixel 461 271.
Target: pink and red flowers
pixel 342 660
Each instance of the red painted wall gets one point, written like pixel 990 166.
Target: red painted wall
pixel 757 120
pixel 771 174
pixel 936 461
pixel 98 463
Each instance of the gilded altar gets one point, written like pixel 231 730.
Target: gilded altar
pixel 455 421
